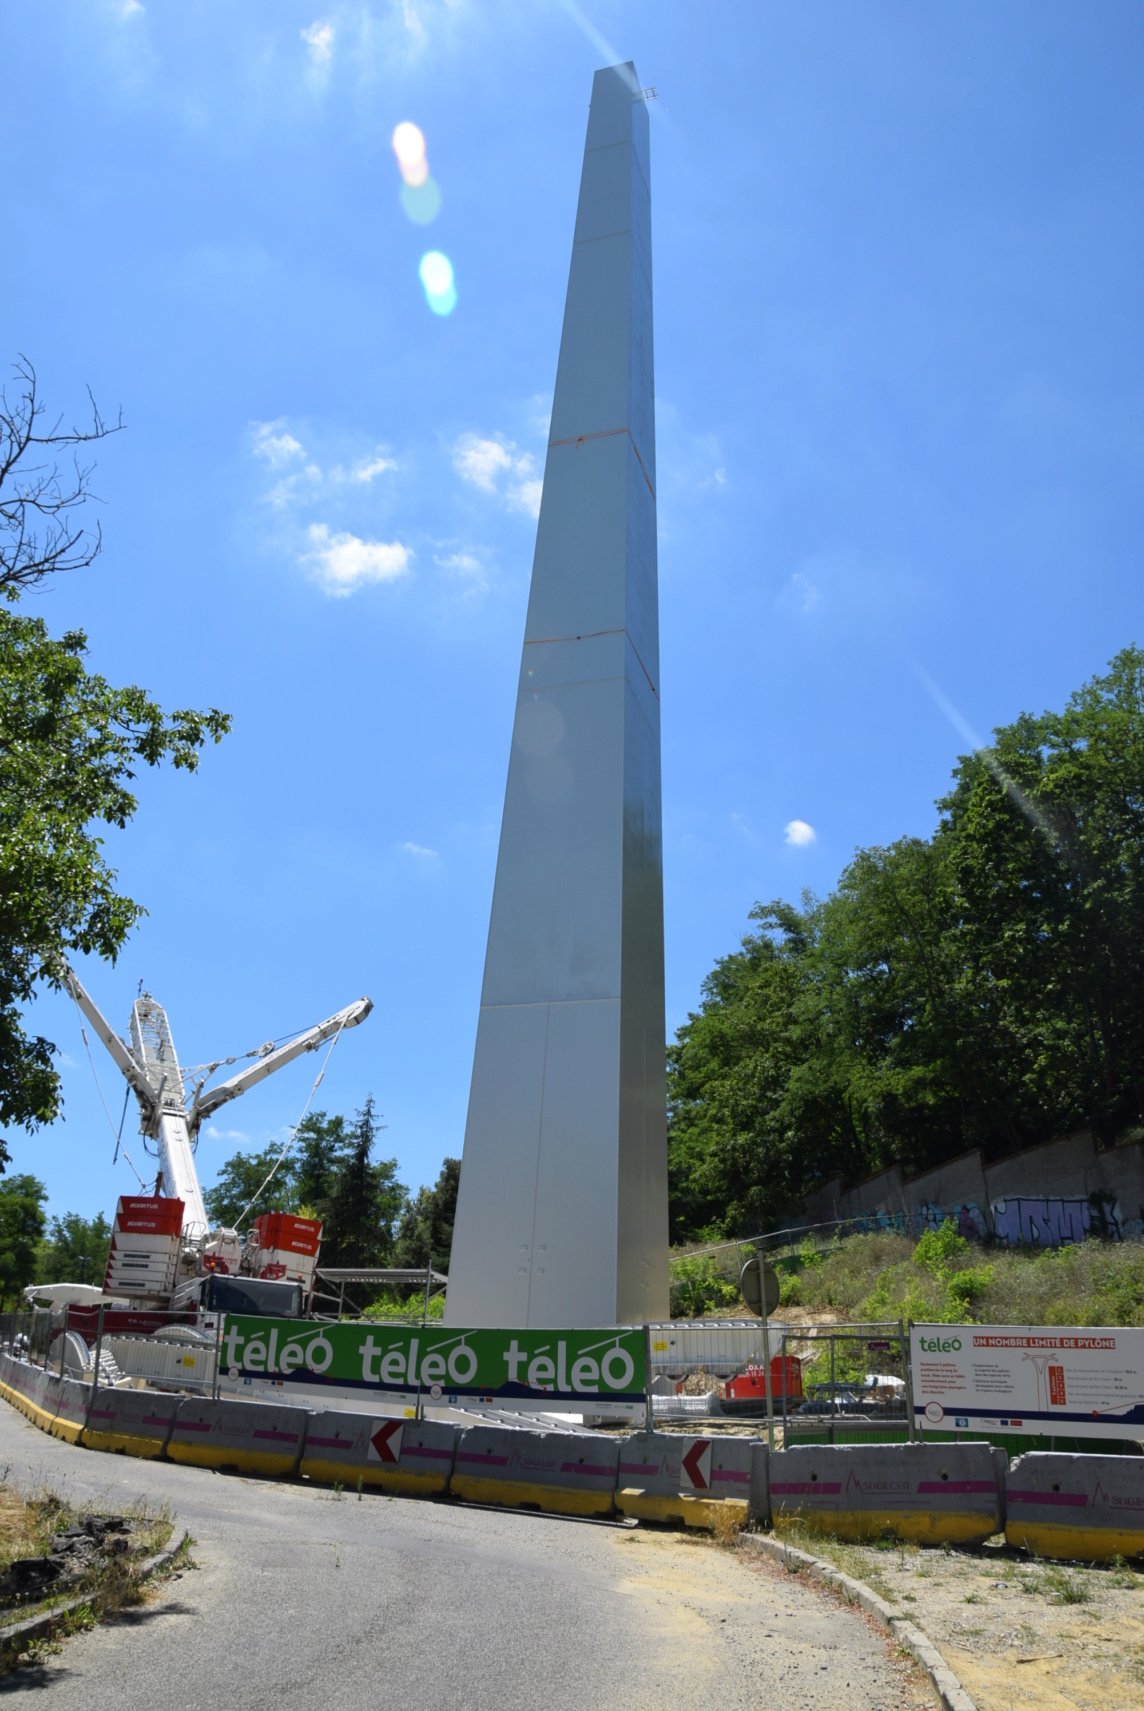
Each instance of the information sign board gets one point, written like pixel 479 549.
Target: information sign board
pixel 1029 1379
pixel 399 1360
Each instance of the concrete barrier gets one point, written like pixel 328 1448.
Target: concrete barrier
pixel 567 1473
pixel 664 1476
pixel 250 1437
pixel 1076 1505
pixel 927 1493
pixel 34 1396
pixel 131 1422
pixel 71 1413
pixel 413 1458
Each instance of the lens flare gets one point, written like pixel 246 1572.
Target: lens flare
pixel 436 272
pixel 422 202
pixel 409 147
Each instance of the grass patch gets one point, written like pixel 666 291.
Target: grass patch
pixel 940 1278
pixel 840 1553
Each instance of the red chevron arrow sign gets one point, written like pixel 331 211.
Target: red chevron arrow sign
pixel 385 1444
pixel 696 1465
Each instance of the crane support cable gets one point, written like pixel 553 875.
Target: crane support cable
pixel 119 1147
pixel 252 1202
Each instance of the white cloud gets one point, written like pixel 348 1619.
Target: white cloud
pixel 495 466
pixel 319 40
pixel 418 850
pixel 470 570
pixel 525 496
pixel 367 469
pixel 798 833
pixel 481 461
pixel 226 1134
pixel 801 594
pixel 273 447
pixel 343 562
pixel 129 8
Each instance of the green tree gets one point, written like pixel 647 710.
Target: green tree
pixel 74 1250
pixel 980 988
pixel 22 1222
pixel 426 1224
pixel 1047 847
pixel 239 1181
pixel 321 1146
pixel 70 744
pixel 366 1202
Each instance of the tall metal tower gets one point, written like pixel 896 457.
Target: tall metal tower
pixel 562 1210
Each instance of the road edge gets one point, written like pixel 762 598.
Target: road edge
pixel 34 1627
pixel 949 1690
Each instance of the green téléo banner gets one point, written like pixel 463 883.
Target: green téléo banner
pixel 437 1360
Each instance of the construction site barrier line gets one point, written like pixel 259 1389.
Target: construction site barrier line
pixel 1069 1499
pixel 812 1488
pixel 961 1487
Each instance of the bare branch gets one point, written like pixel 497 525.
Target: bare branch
pixel 37 536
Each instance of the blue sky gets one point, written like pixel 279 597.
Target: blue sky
pixel 899 375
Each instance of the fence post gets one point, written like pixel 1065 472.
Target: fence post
pixel 767 1353
pixel 908 1374
pixel 217 1356
pixel 649 1410
pixel 833 1392
pixel 98 1355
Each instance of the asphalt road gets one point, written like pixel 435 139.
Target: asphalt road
pixel 304 1602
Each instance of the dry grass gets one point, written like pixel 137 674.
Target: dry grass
pixel 105 1573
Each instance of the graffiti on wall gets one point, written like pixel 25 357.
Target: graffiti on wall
pixel 1056 1223
pixel 1044 1223
pixel 969 1218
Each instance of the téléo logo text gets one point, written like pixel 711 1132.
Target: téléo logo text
pixel 940 1345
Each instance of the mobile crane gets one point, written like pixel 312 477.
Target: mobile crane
pixel 150 1066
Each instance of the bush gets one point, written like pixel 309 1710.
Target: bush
pixel 699 1287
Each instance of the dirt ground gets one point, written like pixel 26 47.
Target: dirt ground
pixel 1022 1635
pixel 701 1586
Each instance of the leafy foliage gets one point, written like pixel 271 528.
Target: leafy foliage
pixel 700 1288
pixel 239 1181
pixel 980 988
pixel 426 1225
pixel 330 1173
pixel 70 1242
pixel 70 745
pixel 22 1222
pixel 940 1279
pixel 366 1201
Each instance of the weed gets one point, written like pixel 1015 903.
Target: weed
pixel 360 1483
pixel 728 1526
pixel 1122 1577
pixel 336 1496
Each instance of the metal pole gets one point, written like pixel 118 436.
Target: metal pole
pixel 98 1354
pixel 833 1392
pixel 767 1352
pixel 908 1375
pixel 63 1340
pixel 649 1410
pixel 428 1280
pixel 217 1356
